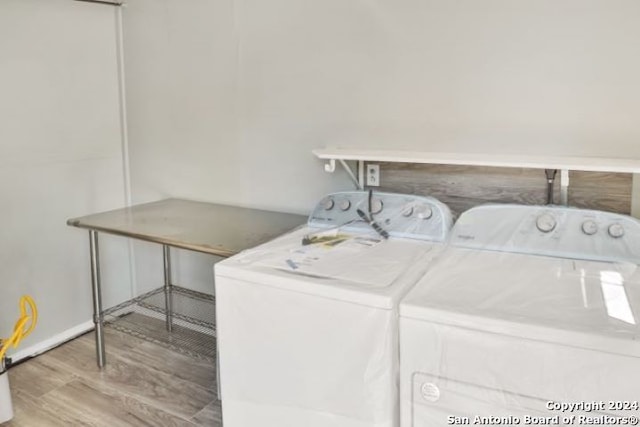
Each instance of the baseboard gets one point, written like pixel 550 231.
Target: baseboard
pixel 52 342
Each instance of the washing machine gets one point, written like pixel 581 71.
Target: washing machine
pixel 529 316
pixel 307 323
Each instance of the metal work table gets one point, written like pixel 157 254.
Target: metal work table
pixel 203 227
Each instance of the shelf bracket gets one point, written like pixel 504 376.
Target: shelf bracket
pixel 355 180
pixel 330 167
pixel 564 187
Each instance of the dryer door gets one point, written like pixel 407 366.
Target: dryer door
pixel 449 371
pixel 440 401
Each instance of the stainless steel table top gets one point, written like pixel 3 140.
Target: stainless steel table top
pixel 204 227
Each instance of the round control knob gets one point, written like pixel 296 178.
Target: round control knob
pixel 376 206
pixel 589 227
pixel 328 204
pixel 345 205
pixel 546 223
pixel 616 230
pixel 430 392
pixel 424 212
pixel 407 211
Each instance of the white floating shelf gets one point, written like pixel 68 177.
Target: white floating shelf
pixel 588 164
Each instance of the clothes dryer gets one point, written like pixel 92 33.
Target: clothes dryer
pixel 530 315
pixel 307 323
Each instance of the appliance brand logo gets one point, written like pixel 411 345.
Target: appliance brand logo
pixel 465 237
pixel 319 218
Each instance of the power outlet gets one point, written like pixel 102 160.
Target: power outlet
pixel 373 175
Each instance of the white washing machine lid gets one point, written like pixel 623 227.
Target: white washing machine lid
pixel 356 267
pixel 587 304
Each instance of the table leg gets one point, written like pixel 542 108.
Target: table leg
pixel 168 298
pixel 98 318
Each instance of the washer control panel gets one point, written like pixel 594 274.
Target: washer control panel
pixel 550 230
pixel 400 215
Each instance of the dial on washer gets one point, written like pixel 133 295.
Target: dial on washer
pixel 616 230
pixel 546 223
pixel 328 204
pixel 424 212
pixel 345 205
pixel 589 227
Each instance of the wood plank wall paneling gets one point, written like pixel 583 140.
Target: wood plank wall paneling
pixel 603 191
pixel 462 187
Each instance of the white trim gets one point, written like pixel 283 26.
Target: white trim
pixel 124 136
pixel 124 126
pixel 52 342
pixel 589 164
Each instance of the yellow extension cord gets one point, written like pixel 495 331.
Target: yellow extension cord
pixel 20 330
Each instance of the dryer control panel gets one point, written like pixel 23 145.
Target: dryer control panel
pixel 399 215
pixel 550 230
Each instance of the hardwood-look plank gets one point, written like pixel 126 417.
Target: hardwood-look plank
pixel 96 405
pixel 211 415
pixel 186 368
pixel 462 187
pixel 121 342
pixel 32 412
pixel 144 384
pixel 38 377
pixel 160 389
pixel 603 191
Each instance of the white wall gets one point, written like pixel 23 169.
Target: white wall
pixel 60 157
pixel 227 98
pixel 531 76
pixel 493 75
pixel 182 70
pixel 191 133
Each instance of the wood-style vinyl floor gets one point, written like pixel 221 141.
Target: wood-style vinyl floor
pixel 143 384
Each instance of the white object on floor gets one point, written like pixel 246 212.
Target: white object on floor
pixel 528 307
pixel 6 406
pixel 307 334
